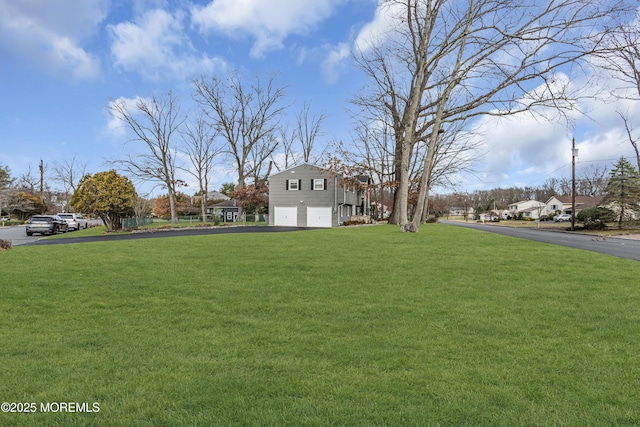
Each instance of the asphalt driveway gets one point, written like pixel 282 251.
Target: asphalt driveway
pixel 189 231
pixel 622 247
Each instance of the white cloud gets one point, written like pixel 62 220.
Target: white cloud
pixel 156 46
pixel 525 150
pixel 376 31
pixel 335 61
pixel 368 37
pixel 268 22
pixel 51 33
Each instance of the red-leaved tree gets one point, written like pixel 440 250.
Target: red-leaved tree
pixel 252 199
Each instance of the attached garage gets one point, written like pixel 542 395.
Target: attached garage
pixel 285 216
pixel 319 217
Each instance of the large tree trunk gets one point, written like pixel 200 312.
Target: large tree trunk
pixel 203 206
pixel 401 195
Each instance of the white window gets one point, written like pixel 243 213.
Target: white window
pixel 293 184
pixel 319 184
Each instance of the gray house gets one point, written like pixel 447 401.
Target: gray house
pixel 226 210
pixel 310 196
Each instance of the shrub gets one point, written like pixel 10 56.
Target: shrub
pixel 596 214
pixel 354 222
pixel 5 244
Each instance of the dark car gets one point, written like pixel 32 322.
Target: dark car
pixel 46 224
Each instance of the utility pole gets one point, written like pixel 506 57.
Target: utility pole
pixel 574 153
pixel 41 180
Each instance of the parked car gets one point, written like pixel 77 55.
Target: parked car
pixel 74 220
pixel 562 218
pixel 46 224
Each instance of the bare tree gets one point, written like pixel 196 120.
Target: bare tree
pixel 623 59
pixel 28 182
pixel 630 132
pixel 68 175
pixel 246 115
pixel 443 62
pixel 565 186
pixel 143 206
pixel 153 123
pixel 309 128
pixel 288 143
pixel 300 144
pixel 592 181
pixel 201 148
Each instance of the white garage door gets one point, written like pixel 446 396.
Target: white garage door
pixel 318 217
pixel 287 217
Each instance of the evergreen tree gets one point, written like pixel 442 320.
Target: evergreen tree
pixel 5 177
pixel 622 193
pixel 106 194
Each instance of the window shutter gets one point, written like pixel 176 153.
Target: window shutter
pixel 299 185
pixel 325 183
pixel 287 187
pixel 312 185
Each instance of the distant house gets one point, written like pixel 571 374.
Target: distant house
pixel 227 210
pixel 492 215
pixel 462 211
pixel 528 208
pixel 563 204
pixel 310 196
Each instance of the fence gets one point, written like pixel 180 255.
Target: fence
pixel 219 218
pixel 243 218
pixel 135 222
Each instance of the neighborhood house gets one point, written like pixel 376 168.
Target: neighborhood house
pixel 528 208
pixel 533 209
pixel 310 196
pixel 563 204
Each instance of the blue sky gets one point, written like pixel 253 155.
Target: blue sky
pixel 62 61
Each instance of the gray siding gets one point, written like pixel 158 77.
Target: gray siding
pixel 281 194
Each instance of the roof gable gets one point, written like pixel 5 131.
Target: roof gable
pixel 583 201
pixel 299 167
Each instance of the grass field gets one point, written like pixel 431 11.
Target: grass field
pixel 352 326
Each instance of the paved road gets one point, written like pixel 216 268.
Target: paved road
pixel 614 246
pixel 17 235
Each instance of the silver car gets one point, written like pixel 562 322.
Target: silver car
pixel 46 224
pixel 562 218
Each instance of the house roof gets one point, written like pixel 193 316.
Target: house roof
pixel 299 166
pixel 532 209
pixel 530 201
pixel 231 203
pixel 583 201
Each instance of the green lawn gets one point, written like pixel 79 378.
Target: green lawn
pixel 352 326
